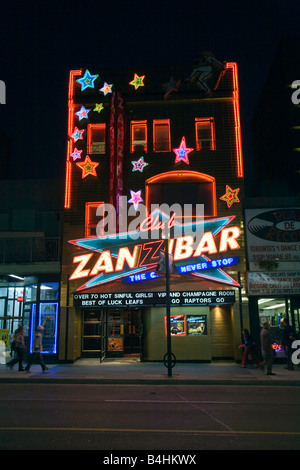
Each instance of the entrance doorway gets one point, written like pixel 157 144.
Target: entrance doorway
pixel 111 333
pixel 124 330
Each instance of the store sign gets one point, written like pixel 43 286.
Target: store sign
pixel 140 299
pixel 125 254
pixel 274 283
pixel 188 269
pixel 273 235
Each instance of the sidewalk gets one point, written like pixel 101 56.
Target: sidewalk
pixel 90 371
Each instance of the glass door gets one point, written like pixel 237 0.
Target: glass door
pixel 115 333
pixel 92 333
pixel 132 332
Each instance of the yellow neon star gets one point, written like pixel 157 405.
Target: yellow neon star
pixel 88 167
pixel 98 107
pixel 137 81
pixel 230 196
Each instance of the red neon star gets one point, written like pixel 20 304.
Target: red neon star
pixel 230 196
pixel 88 167
pixel 182 152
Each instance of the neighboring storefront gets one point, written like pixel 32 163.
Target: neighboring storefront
pixel 273 279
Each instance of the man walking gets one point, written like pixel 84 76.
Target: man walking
pixel 36 350
pixel 266 345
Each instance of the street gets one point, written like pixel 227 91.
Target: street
pixel 148 417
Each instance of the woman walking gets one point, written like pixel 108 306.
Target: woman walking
pixel 249 346
pixel 19 348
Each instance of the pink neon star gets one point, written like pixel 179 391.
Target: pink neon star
pixel 182 152
pixel 76 154
pixel 135 198
pixel 77 134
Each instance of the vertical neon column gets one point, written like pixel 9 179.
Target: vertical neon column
pixel 237 120
pixel 72 75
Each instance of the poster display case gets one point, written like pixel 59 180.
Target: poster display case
pixel 196 325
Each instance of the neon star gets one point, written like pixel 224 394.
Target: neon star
pixel 137 81
pixel 135 198
pixel 88 167
pixel 98 107
pixel 83 113
pixel 182 152
pixel 76 154
pixel 87 81
pixel 230 196
pixel 106 88
pixel 139 165
pixel 77 134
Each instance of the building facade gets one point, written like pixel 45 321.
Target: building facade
pixel 142 142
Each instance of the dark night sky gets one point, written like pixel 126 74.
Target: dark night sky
pixel 42 41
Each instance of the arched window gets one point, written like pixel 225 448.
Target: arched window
pixel 182 187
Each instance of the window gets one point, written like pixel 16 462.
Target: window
pixel 138 135
pixel 205 134
pixel 161 135
pixel 91 218
pixel 96 138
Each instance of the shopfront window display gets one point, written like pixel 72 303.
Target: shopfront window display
pixel 273 310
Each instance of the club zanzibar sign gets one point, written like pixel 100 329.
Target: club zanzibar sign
pixel 191 246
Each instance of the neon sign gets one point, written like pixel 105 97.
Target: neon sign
pixel 87 81
pixel 77 134
pixel 139 165
pixel 126 254
pixel 137 81
pixel 88 167
pixel 140 277
pixel 216 263
pixel 98 107
pixel 182 152
pixel 223 262
pixel 106 88
pixel 83 113
pixel 135 198
pixel 230 196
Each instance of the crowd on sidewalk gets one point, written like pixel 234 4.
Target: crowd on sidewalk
pixel 262 357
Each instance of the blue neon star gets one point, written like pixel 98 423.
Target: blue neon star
pixel 83 113
pixel 139 165
pixel 87 81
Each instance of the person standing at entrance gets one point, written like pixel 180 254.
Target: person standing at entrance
pixel 19 348
pixel 249 346
pixel 288 337
pixel 266 344
pixel 36 350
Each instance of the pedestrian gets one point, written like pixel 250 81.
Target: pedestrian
pixel 36 350
pixel 19 348
pixel 288 337
pixel 266 344
pixel 249 346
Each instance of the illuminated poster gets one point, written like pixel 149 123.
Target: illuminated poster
pixel 177 325
pixel 114 343
pixel 196 325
